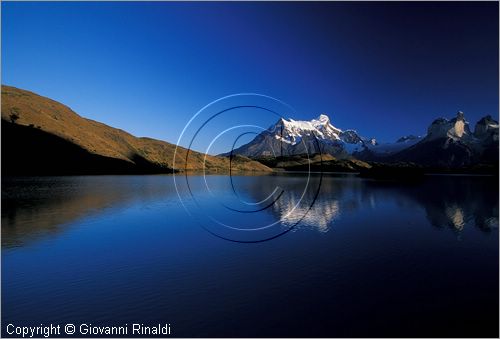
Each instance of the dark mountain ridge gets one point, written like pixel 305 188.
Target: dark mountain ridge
pixel 451 144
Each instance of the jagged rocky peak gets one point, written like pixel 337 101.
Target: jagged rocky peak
pixel 460 116
pixel 278 126
pixel 322 119
pixel 486 127
pixel 302 136
pixel 455 128
pixel 295 129
pixel 350 136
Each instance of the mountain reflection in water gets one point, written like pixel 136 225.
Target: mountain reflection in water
pixel 34 207
pixel 448 201
pixel 400 259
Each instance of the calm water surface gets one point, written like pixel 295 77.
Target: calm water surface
pixel 367 258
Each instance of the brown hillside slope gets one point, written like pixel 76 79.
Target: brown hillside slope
pixel 28 114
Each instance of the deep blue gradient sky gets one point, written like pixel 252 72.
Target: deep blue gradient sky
pixel 384 69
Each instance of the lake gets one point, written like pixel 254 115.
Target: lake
pixel 252 256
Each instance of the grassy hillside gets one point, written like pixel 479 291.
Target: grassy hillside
pixel 45 136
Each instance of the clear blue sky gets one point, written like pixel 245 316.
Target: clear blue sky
pixel 384 69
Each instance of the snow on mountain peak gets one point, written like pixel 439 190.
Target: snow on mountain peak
pixel 323 118
pixel 295 132
pixel 320 127
pixel 289 137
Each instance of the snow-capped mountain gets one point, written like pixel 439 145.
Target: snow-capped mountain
pixel 290 137
pixel 448 142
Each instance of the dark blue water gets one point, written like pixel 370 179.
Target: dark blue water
pixel 356 258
